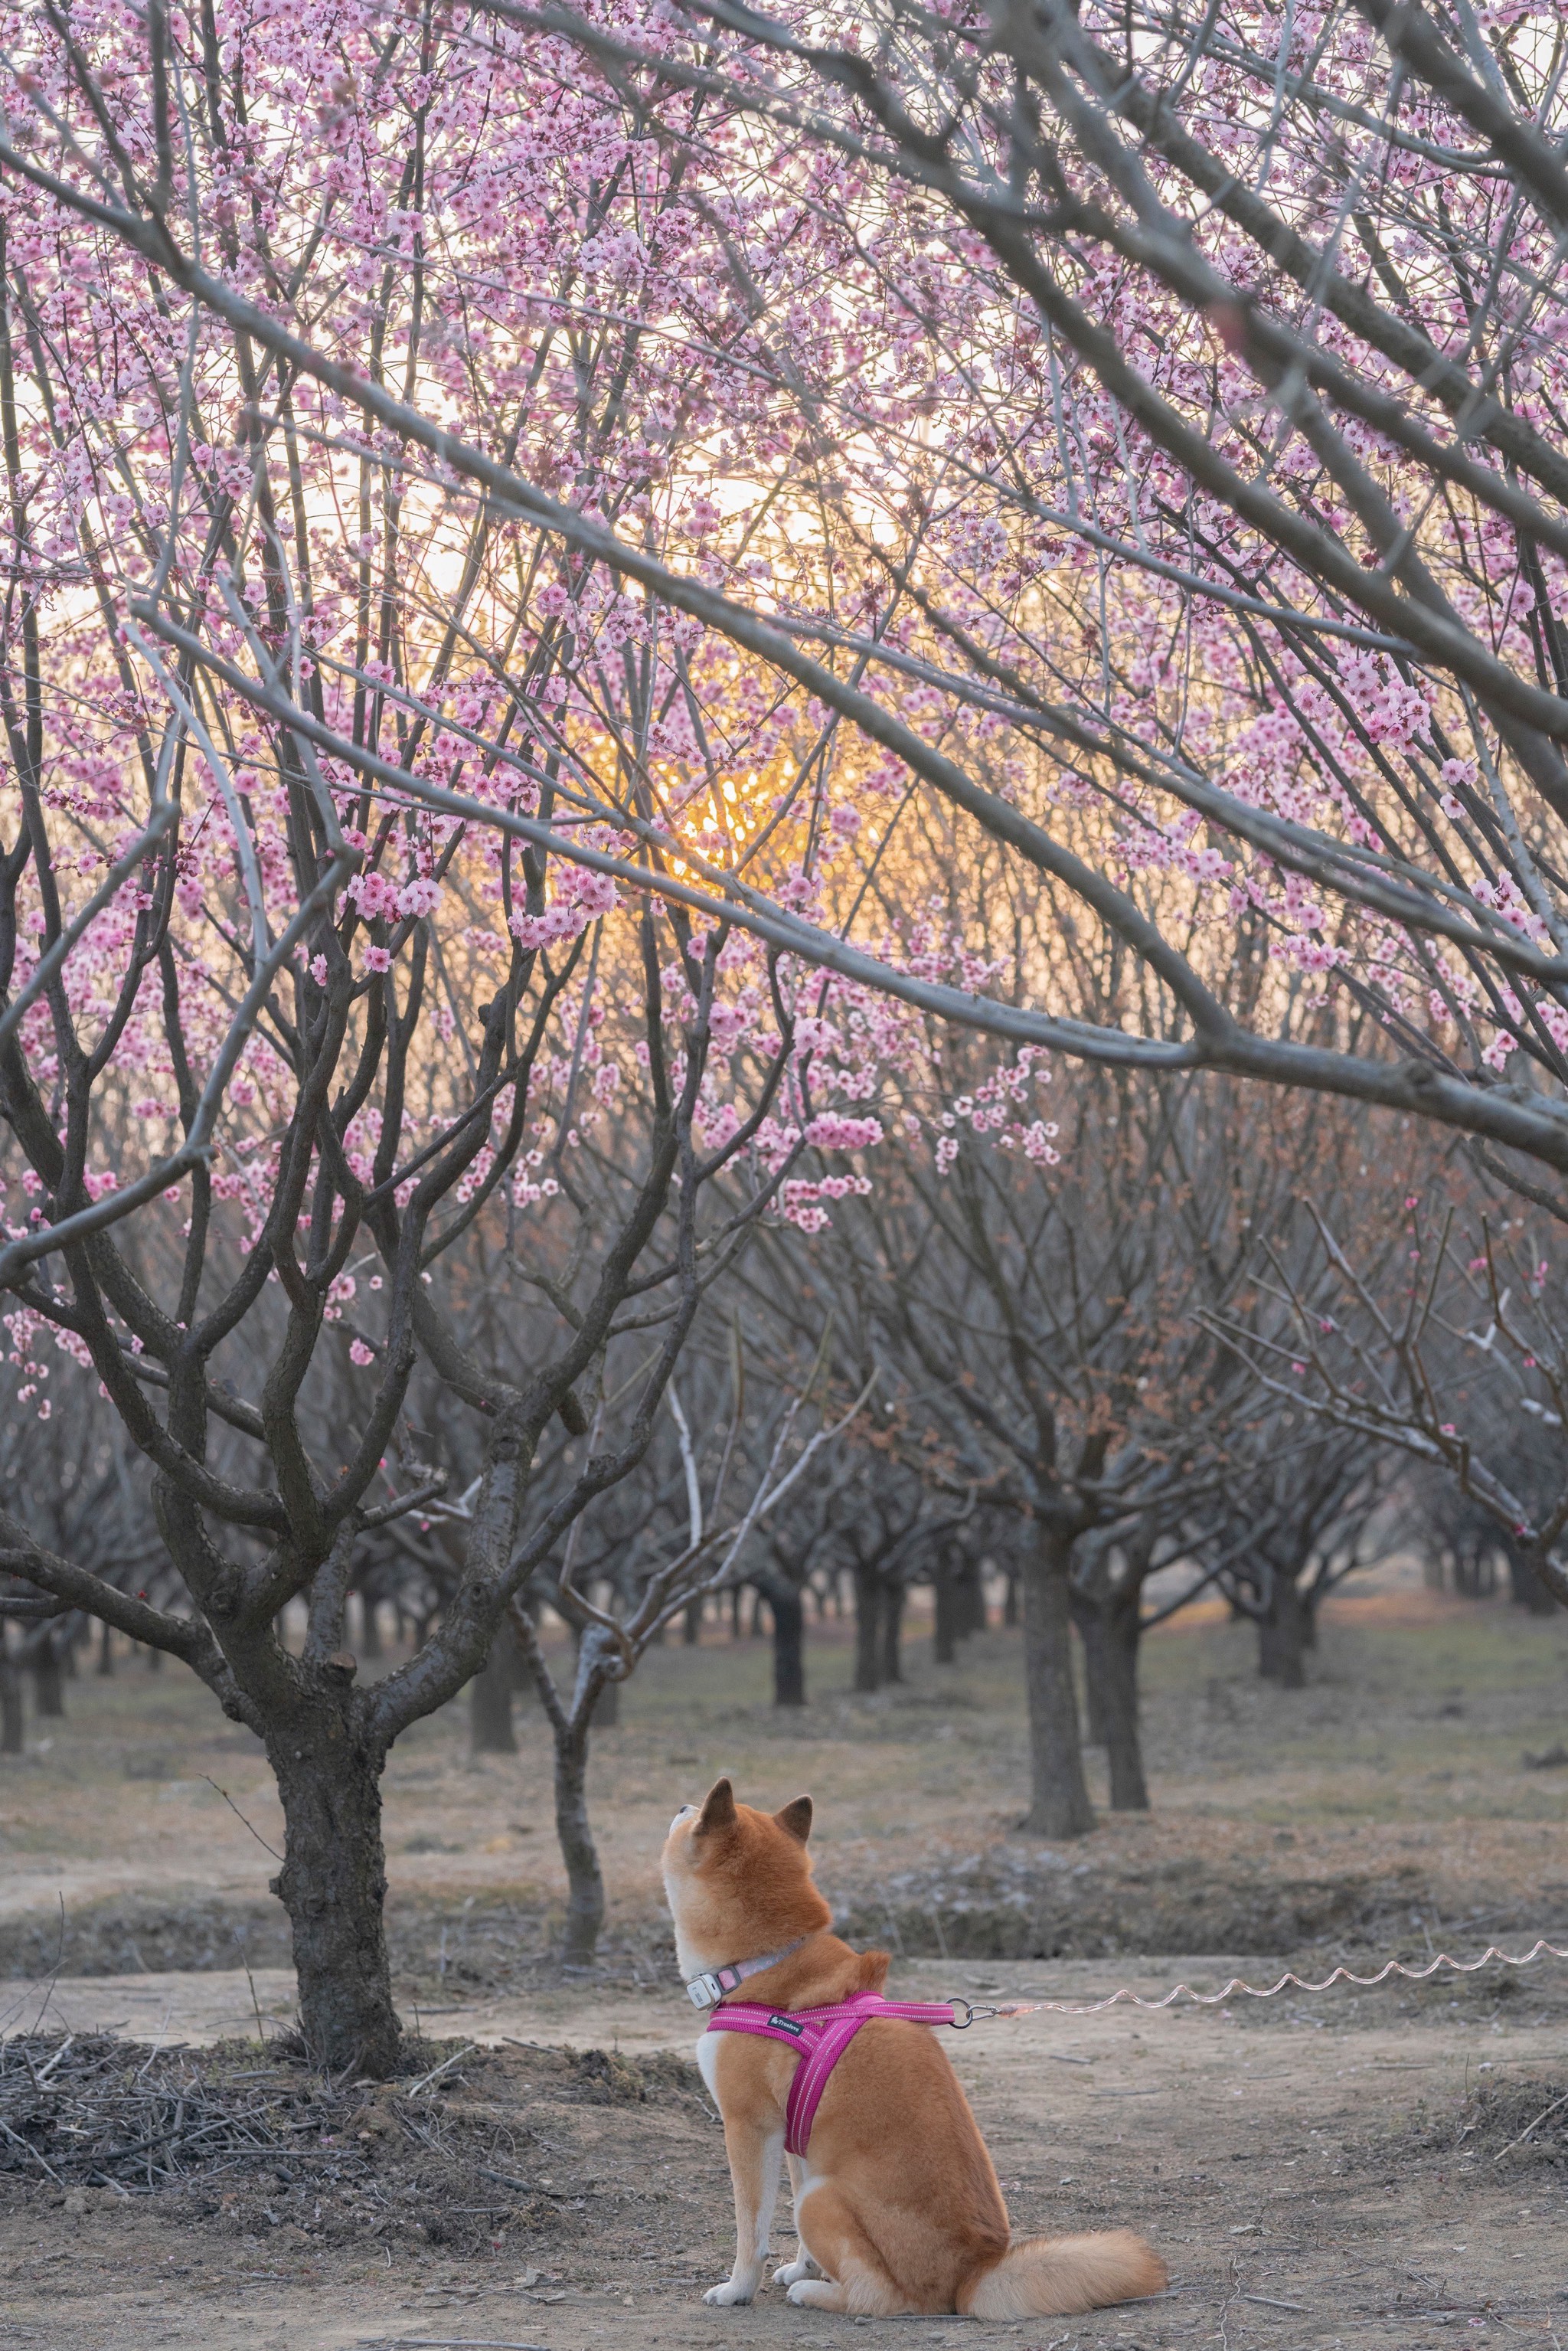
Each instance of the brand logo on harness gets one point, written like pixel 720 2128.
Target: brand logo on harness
pixel 786 2024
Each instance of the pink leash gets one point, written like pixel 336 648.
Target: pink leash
pixel 819 2036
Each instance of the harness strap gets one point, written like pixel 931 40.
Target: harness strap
pixel 819 2036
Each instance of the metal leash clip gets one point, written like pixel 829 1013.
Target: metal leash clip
pixel 980 2012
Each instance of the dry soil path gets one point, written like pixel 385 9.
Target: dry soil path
pixel 1277 2167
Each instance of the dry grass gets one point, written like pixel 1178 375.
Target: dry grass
pixel 1386 1804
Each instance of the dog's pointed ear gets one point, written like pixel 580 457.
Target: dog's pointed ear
pixel 718 1808
pixel 796 1819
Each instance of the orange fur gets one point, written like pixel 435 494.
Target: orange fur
pixel 897 2200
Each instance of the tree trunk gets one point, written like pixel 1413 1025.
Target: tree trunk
pixel 584 1878
pixel 48 1687
pixel 10 1703
pixel 607 1705
pixel 370 1629
pixel 1281 1635
pixel 972 1601
pixel 945 1599
pixel 490 1729
pixel 1090 1618
pixel 693 1631
pixel 607 1708
pixel 333 1885
pixel 1124 1630
pixel 105 1649
pixel 1526 1589
pixel 892 1598
pixel 1058 1800
pixel 788 1611
pixel 1011 1602
pixel 868 1649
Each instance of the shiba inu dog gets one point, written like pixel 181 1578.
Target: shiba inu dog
pixel 897 2204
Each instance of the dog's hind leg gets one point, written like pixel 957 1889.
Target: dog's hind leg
pixel 790 2272
pixel 856 2280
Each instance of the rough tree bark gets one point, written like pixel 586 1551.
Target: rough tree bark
pixel 787 1608
pixel 11 1728
pixel 952 1609
pixel 868 1644
pixel 584 1878
pixel 572 1729
pixel 1058 1799
pixel 1526 1588
pixel 1284 1634
pixel 1090 1619
pixel 490 1730
pixel 607 1708
pixel 892 1598
pixel 333 1884
pixel 48 1682
pixel 1124 1630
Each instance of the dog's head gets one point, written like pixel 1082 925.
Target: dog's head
pixel 739 1881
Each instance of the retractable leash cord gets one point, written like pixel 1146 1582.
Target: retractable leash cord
pixel 982 2012
pixel 819 2037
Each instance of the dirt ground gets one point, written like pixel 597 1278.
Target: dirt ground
pixel 1334 2170
pixel 1306 2186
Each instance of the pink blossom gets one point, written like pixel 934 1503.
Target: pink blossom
pixel 831 1132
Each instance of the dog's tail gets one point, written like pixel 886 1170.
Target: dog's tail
pixel 1052 2277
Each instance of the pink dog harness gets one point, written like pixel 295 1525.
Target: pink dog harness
pixel 819 2037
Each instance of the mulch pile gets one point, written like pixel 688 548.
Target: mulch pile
pixel 1503 2128
pixel 1520 2125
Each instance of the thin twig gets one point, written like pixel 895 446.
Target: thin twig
pixel 1524 2134
pixel 240 1816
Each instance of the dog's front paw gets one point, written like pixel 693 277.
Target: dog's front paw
pixel 791 2273
pixel 731 2291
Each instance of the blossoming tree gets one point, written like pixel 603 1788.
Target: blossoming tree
pixel 322 1005
pixel 475 476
